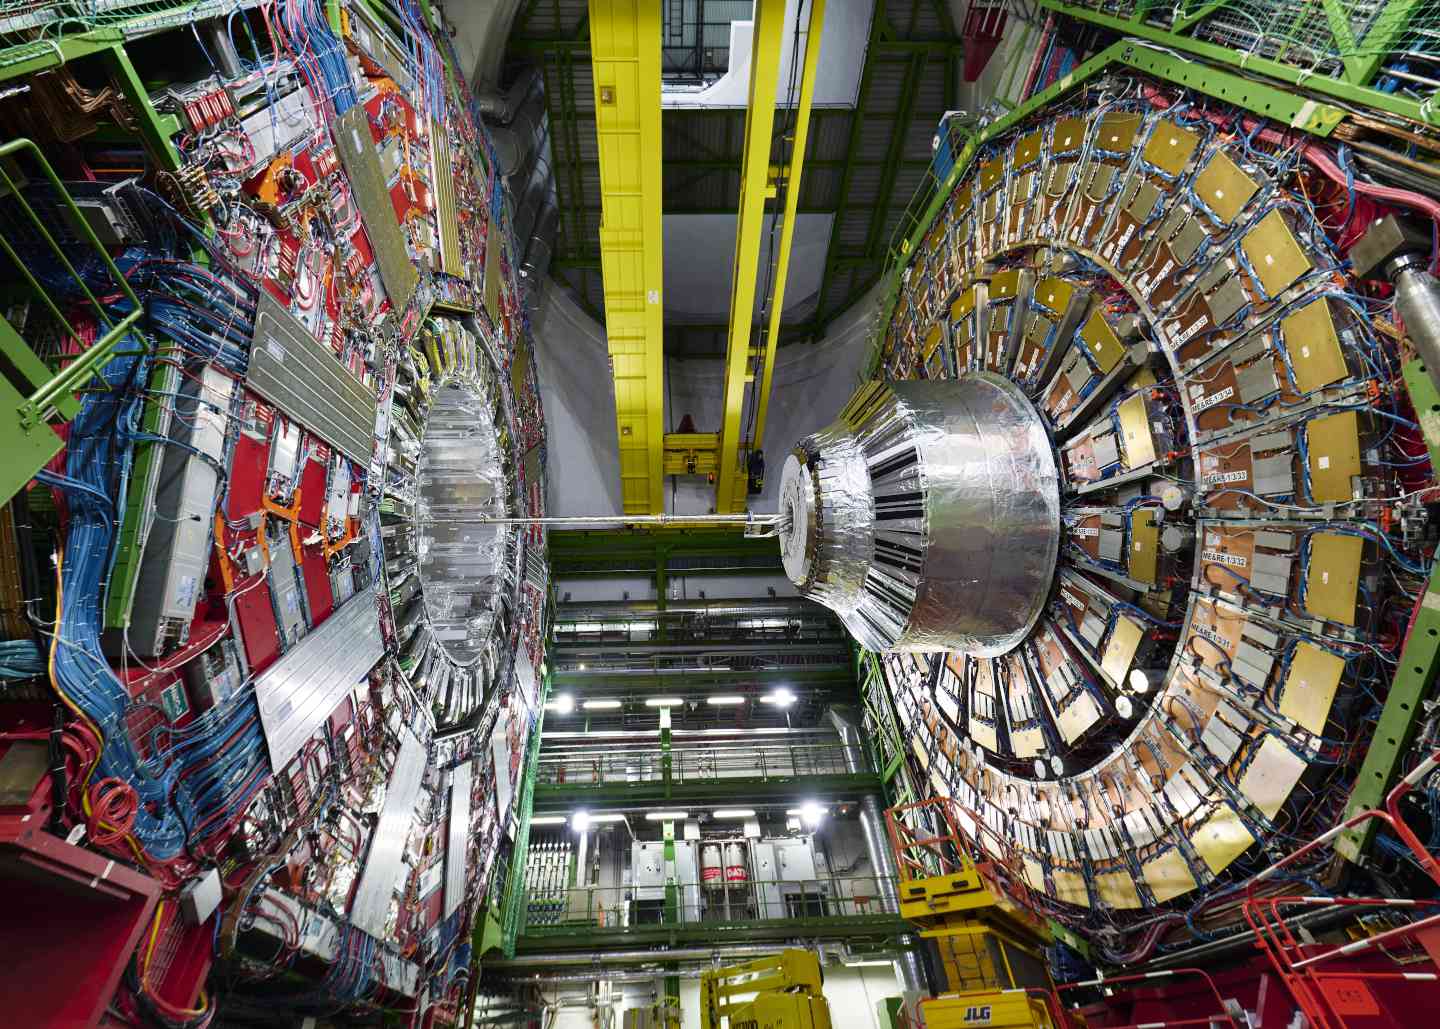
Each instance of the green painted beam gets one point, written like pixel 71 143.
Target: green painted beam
pixel 547 938
pixel 1414 674
pixel 565 796
pixel 1254 67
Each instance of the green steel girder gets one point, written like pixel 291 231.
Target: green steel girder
pixel 1349 88
pixel 1245 91
pixel 592 550
pixel 512 907
pixel 776 787
pixel 688 680
pixel 591 938
pixel 1415 673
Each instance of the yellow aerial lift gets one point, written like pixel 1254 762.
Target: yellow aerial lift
pixel 786 990
pixel 988 946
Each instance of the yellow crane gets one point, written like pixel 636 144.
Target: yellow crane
pixel 785 988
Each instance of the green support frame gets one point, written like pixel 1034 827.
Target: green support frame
pixel 1414 674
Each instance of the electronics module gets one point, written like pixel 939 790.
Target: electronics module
pixel 268 693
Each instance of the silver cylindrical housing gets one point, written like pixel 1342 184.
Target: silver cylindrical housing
pixel 928 516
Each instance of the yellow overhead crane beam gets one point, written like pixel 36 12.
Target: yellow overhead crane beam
pixel 755 188
pixel 792 208
pixel 625 57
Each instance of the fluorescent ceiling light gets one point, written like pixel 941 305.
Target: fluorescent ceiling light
pixel 729 701
pixel 600 705
pixel 580 821
pixel 780 698
pixel 547 819
pixel 664 702
pixel 666 816
pixel 582 667
pixel 811 813
pixel 736 812
pixel 598 819
pixel 563 704
pixel 868 964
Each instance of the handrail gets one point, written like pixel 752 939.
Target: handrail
pixel 619 764
pixel 631 907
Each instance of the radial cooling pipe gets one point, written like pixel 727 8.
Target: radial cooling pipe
pixel 1400 250
pixel 927 516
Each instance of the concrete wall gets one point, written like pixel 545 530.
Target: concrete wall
pixel 812 383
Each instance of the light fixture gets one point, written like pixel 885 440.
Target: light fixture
pixel 664 702
pixel 780 698
pixel 564 704
pixel 582 667
pixel 729 701
pixel 547 819
pixel 811 813
pixel 600 705
pixel 734 812
pixel 601 819
pixel 580 821
pixel 666 816
pixel 868 964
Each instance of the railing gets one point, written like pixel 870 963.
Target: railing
pixel 645 763
pixel 627 909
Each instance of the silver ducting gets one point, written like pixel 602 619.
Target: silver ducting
pixel 927 516
pixel 877 847
pixel 636 957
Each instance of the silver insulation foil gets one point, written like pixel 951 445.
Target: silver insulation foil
pixel 928 516
pixel 466 565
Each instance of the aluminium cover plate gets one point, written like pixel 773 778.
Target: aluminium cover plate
pixel 362 164
pixel 384 861
pixel 297 693
pixel 303 378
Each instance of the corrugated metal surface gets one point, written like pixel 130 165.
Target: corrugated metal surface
pixel 303 378
pixel 297 693
pixel 384 862
pixel 458 836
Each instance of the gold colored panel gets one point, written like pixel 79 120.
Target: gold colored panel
pixel 1143 377
pixel 1120 650
pixel 1170 147
pixel 1033 874
pixel 1074 720
pixel 1223 187
pixel 965 196
pixel 1118 890
pixel 1274 253
pixel 1310 686
pixel 1117 130
pixel 1027 742
pixel 1067 136
pixel 1070 888
pixel 932 340
pixel 1332 578
pixel 1027 149
pixel 1271 775
pixel 1135 432
pixel 919 750
pixel 1168 876
pixel 983 734
pixel 1144 546
pixel 991 172
pixel 1333 443
pixel 1310 340
pixel 963 305
pixel 1101 341
pixel 1004 285
pixel 1054 295
pixel 1221 838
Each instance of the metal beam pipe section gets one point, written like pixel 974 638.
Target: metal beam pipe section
pixel 877 846
pixel 927 516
